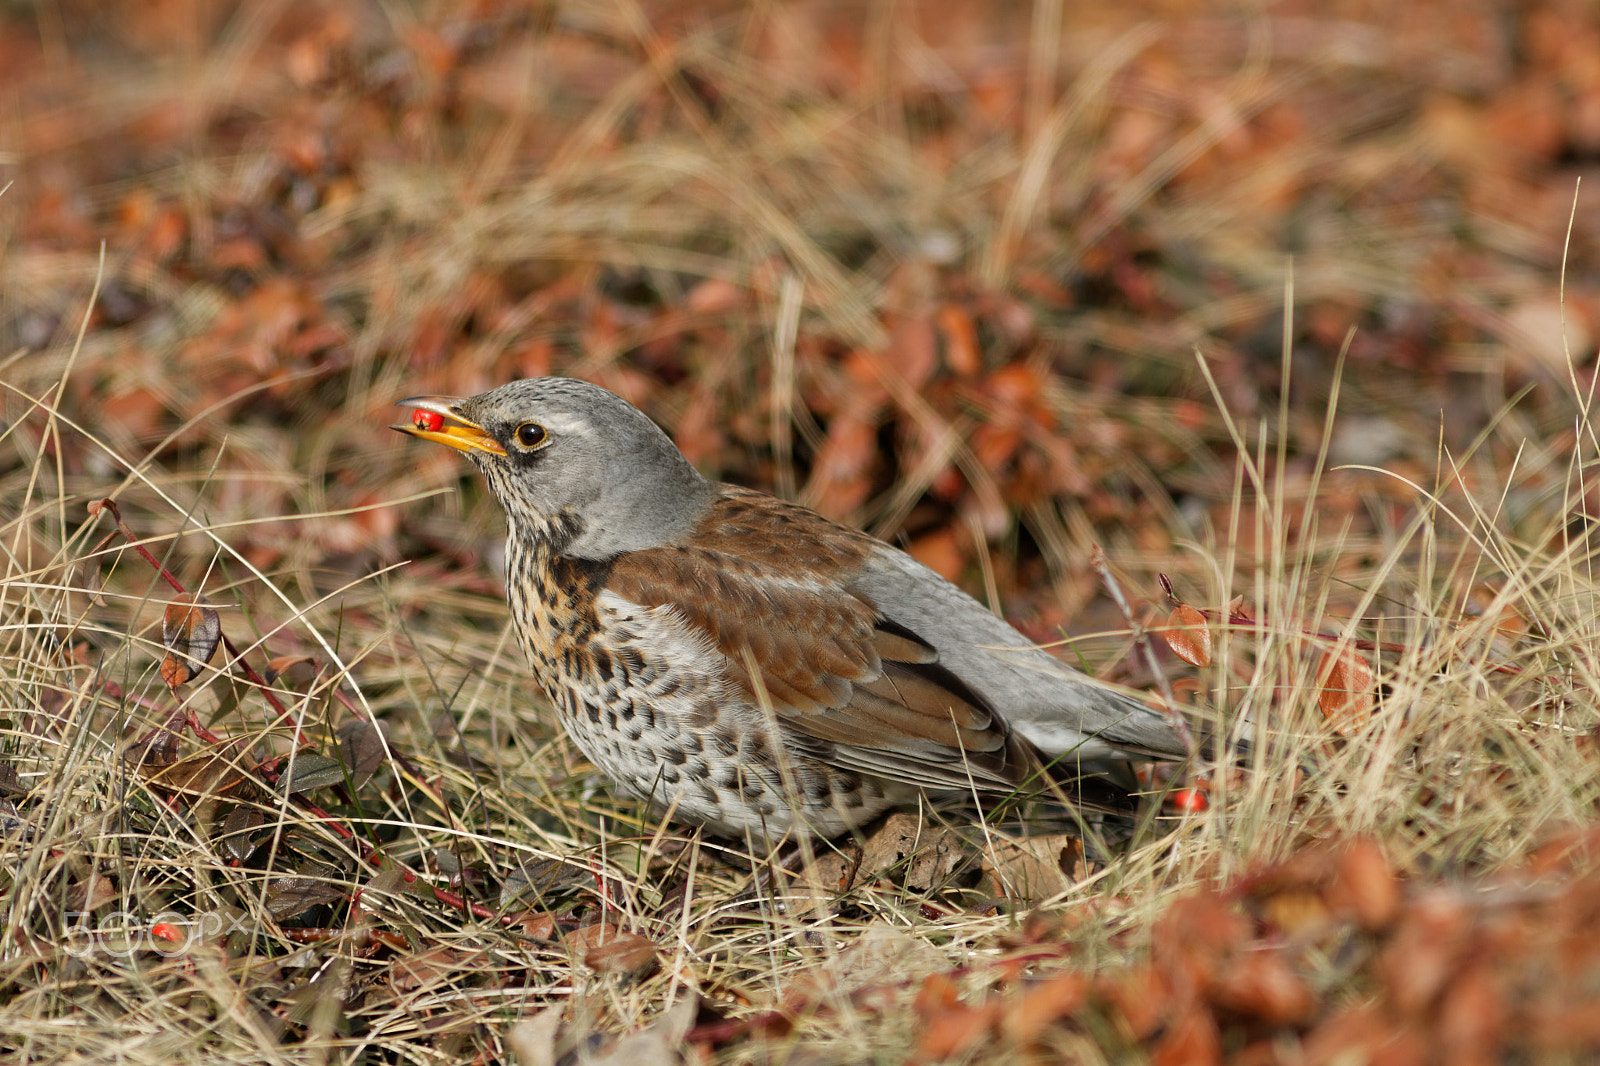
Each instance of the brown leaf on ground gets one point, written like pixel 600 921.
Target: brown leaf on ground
pixel 435 967
pixel 1191 1040
pixel 1197 936
pixel 1365 886
pixel 908 849
pixel 1142 995
pixel 605 948
pixel 1345 690
pixel 1036 868
pixel 1363 1034
pixel 1041 1004
pixel 950 1027
pixel 883 955
pixel 190 631
pixel 215 772
pixel 1426 951
pixel 89 894
pixel 1324 881
pixel 1188 635
pixel 961 351
pixel 362 748
pixel 1260 984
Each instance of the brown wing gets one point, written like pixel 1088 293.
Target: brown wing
pixel 768 581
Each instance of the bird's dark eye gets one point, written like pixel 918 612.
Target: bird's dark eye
pixel 531 434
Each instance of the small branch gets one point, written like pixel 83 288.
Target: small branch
pixel 108 504
pixel 1237 619
pixel 250 675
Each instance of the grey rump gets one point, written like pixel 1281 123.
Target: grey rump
pixel 740 660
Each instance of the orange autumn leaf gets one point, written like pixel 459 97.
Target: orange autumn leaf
pixel 1188 635
pixel 949 1026
pixel 190 631
pixel 913 350
pixel 1041 1004
pixel 608 949
pixel 1191 1039
pixel 1345 690
pixel 1365 887
pixel 961 352
pixel 1261 985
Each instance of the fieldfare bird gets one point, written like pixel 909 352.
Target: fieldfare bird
pixel 742 661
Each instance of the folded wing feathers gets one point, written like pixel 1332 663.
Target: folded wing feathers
pixel 832 668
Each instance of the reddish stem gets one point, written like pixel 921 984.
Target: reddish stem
pixel 1240 620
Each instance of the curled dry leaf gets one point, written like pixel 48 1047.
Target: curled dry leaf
pixel 83 896
pixel 949 1026
pixel 607 949
pixel 190 630
pixel 1188 635
pixel 436 967
pixel 929 857
pixel 1365 886
pixel 11 781
pixel 235 841
pixel 216 771
pixel 1344 691
pixel 1037 867
pixel 1261 985
pixel 363 748
pixel 1041 1004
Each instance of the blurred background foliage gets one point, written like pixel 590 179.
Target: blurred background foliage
pixel 941 268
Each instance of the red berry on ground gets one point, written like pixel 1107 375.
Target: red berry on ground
pixel 1188 799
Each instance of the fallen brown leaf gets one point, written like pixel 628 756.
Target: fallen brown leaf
pixel 1345 691
pixel 605 948
pixel 1188 635
pixel 190 631
pixel 1042 1003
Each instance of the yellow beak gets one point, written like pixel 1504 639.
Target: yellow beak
pixel 437 420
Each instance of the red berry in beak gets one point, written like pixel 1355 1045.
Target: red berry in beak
pixel 429 420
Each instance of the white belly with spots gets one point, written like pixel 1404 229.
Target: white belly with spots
pixel 659 717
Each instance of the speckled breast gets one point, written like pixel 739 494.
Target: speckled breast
pixel 646 699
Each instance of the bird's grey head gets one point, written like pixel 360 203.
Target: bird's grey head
pixel 570 459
